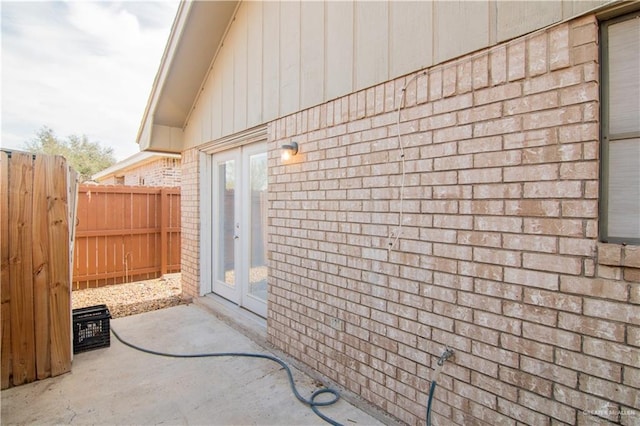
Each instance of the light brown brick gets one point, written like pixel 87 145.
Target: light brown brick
pixel 592 327
pixel 435 84
pixel 553 80
pixel 631 256
pixel 472 269
pixel 595 366
pixel 543 208
pixel 490 144
pixel 537 173
pixel 536 102
pixel 486 335
pixel 485 239
pixel 559 47
pixel 500 224
pixel 498 66
pixel 610 351
pixel 578 246
pixel 464 76
pixel 539 243
pixel 612 311
pixel 582 132
pixel 483 207
pixel 603 388
pixel 497 191
pixel 547 370
pixel 552 226
pixel 498 257
pixel 584 53
pixel 579 94
pixel 554 300
pixel 609 254
pixel 516 60
pixel 631 275
pixel 498 355
pixel 601 288
pixel 526 381
pixel 584 402
pixel 538 279
pixel 497 127
pixel 485 175
pixel 552 408
pixel 480 69
pixel 580 208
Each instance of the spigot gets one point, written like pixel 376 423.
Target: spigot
pixel 448 353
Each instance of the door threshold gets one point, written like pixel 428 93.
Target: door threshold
pixel 251 325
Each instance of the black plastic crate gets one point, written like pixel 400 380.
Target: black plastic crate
pixel 91 328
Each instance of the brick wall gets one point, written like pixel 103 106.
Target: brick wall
pixel 190 210
pixel 498 257
pixel 161 172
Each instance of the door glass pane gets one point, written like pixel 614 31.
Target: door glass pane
pixel 226 213
pixel 258 216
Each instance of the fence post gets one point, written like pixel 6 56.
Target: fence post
pixel 163 231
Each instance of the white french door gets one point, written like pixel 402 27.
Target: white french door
pixel 239 213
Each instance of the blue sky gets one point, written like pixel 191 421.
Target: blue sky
pixel 80 67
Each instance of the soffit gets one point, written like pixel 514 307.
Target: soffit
pixel 200 34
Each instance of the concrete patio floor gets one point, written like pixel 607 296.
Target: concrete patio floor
pixel 122 386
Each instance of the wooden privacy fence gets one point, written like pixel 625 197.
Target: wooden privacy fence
pixel 37 207
pixel 125 234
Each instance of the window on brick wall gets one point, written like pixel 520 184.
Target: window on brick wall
pixel 620 65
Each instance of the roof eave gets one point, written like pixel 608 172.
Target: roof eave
pixel 196 35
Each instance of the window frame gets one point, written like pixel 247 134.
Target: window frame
pixel 605 136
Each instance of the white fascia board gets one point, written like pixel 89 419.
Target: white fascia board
pixel 161 76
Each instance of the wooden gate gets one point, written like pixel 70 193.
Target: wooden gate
pixel 37 199
pixel 125 234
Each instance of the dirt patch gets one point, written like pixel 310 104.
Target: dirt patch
pixel 133 298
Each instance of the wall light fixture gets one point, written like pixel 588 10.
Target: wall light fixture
pixel 289 150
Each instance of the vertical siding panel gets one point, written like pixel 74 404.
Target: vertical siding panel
pixel 41 265
pixel 312 54
pixel 228 107
pixel 204 111
pixel 271 60
pixel 254 63
pixel 372 44
pixel 289 57
pixel 216 101
pixel 461 27
pixel 5 290
pixel 339 64
pixel 411 36
pixel 20 268
pixel 516 18
pixel 240 70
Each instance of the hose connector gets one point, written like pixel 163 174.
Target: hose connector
pixel 448 353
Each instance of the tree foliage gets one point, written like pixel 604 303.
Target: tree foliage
pixel 86 157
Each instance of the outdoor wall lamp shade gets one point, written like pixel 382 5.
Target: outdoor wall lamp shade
pixel 289 150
